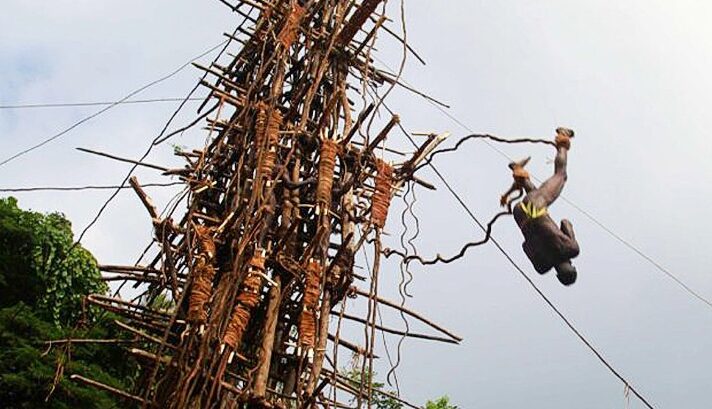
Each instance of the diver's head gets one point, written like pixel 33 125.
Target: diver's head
pixel 566 272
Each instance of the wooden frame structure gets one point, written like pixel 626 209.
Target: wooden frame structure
pixel 290 184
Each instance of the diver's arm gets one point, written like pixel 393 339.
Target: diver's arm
pixel 505 197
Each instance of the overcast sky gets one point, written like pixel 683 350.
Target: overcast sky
pixel 631 77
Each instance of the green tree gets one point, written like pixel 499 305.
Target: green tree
pixel 39 265
pixel 379 400
pixel 43 280
pixel 28 364
pixel 441 403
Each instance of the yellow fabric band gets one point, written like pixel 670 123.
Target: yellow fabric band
pixel 532 211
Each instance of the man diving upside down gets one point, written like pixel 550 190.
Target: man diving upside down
pixel 546 244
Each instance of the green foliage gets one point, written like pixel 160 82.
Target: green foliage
pixel 27 365
pixel 163 303
pixel 43 279
pixel 441 403
pixel 39 266
pixel 379 400
pixel 177 149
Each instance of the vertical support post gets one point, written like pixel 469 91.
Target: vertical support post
pixel 275 295
pixel 320 349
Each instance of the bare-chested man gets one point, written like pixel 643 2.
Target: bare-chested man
pixel 546 244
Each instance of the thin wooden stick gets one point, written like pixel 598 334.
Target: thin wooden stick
pixel 105 387
pixel 398 332
pixel 351 346
pixel 120 159
pixel 409 312
pixel 90 341
pixel 114 268
pixel 141 333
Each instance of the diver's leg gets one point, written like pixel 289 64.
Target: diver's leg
pixel 550 190
pixel 571 247
pixel 568 228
